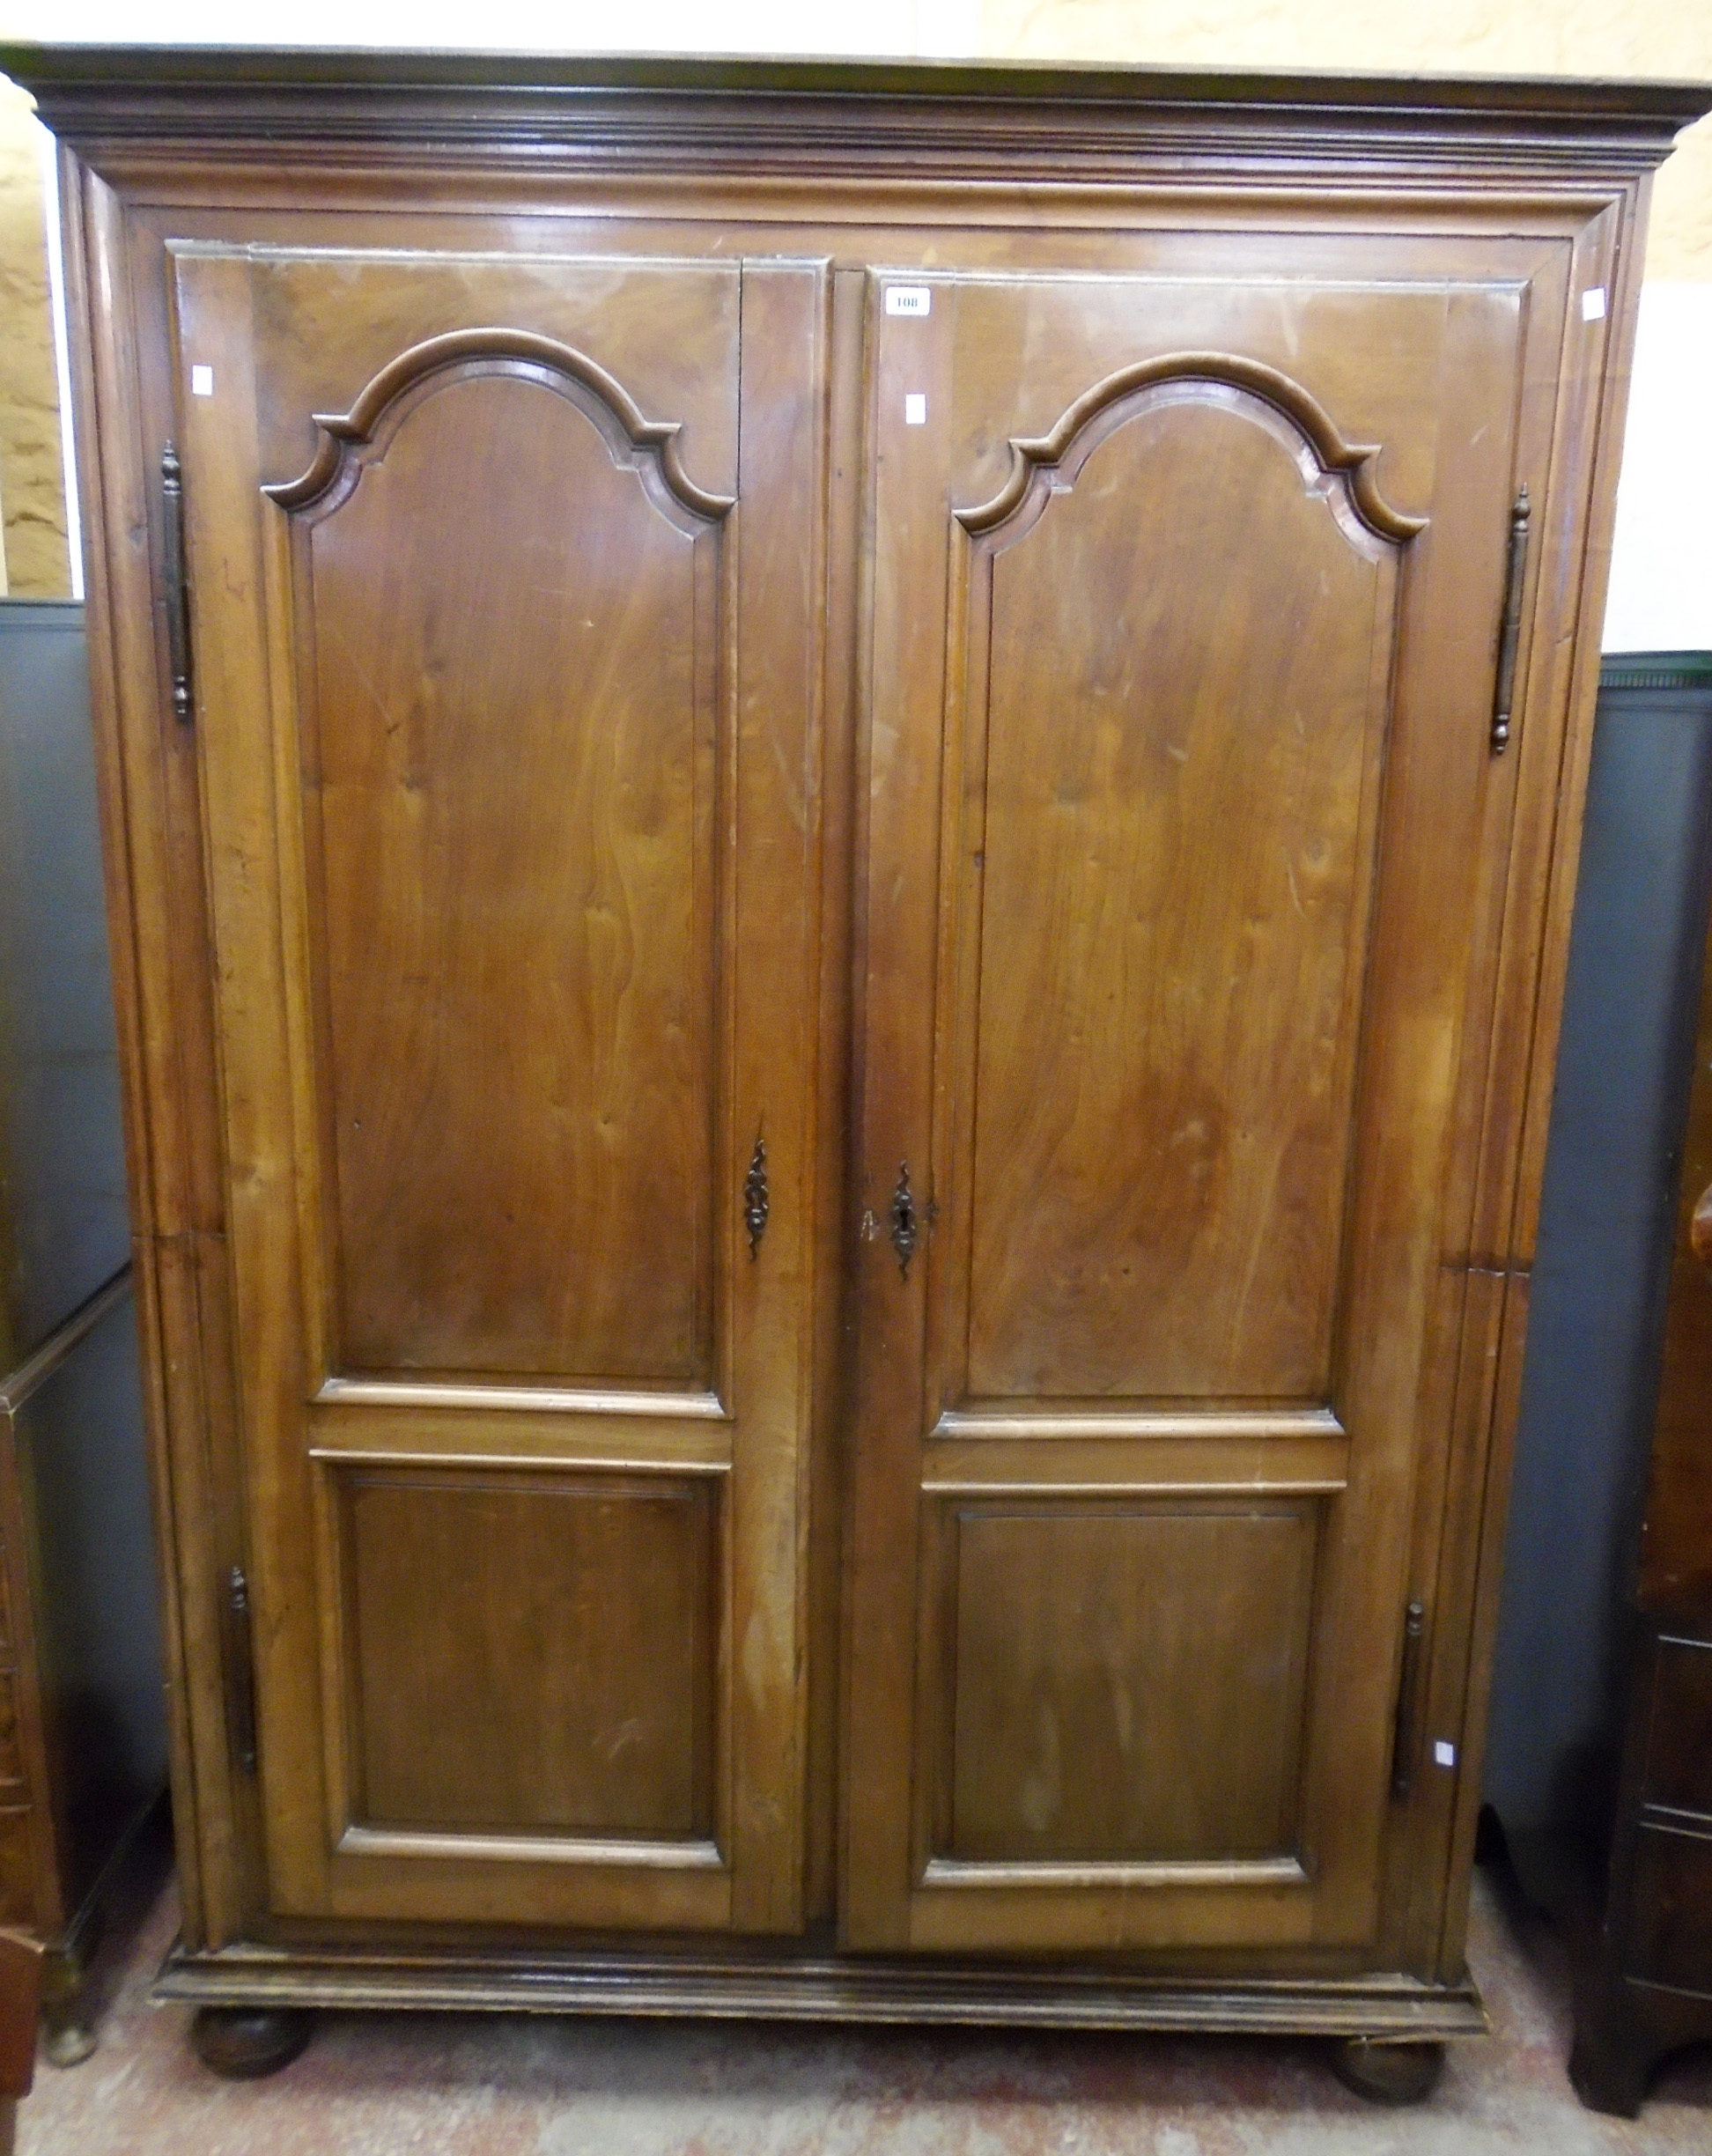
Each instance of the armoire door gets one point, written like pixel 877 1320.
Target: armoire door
pixel 1185 601
pixel 502 657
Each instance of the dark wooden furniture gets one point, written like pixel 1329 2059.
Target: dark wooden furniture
pixel 842 806
pixel 20 1990
pixel 1650 1987
pixel 82 1711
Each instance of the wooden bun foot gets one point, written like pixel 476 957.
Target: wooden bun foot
pixel 246 2044
pixel 1387 2072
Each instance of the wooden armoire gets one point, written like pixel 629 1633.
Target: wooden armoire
pixel 842 806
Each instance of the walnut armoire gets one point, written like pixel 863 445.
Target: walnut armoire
pixel 842 806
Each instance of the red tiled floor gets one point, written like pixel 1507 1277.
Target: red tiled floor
pixel 518 2085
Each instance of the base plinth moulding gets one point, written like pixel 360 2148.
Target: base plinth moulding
pixel 822 1988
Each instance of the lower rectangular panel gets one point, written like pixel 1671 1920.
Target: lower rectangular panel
pixel 528 1653
pixel 1112 1700
pixel 1668 1940
pixel 1123 1680
pixel 811 1987
pixel 521 1670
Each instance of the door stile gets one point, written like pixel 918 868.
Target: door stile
pixel 778 686
pixel 239 777
pixel 905 648
pixel 944 1254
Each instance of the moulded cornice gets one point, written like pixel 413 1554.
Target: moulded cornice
pixel 941 119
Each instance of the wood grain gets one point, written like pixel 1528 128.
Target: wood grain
pixel 509 774
pixel 553 1698
pixel 1165 1047
pixel 1126 1682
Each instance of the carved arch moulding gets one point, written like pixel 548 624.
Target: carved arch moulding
pixel 1343 472
pixel 349 441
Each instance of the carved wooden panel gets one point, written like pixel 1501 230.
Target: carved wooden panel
pixel 534 1689
pixel 508 601
pixel 1180 653
pixel 1125 1679
pixel 330 319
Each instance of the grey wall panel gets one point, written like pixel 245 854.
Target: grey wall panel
pixel 82 1471
pixel 61 1162
pixel 1624 1066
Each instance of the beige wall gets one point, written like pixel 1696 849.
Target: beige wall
pixel 1470 37
pixel 1570 37
pixel 31 487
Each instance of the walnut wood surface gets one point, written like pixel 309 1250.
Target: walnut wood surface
pixel 1106 1696
pixel 538 1690
pixel 466 819
pixel 852 822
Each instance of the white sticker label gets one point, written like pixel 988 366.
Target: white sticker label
pixel 201 382
pixel 1444 1754
pixel 909 300
pixel 915 407
pixel 1593 303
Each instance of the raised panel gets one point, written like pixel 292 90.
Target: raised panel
pixel 17 1875
pixel 1677 1773
pixel 12 1744
pixel 1125 1680
pixel 1187 645
pixel 1668 1941
pixel 529 1653
pixel 507 629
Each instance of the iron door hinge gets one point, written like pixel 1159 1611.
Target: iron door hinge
pixel 178 585
pixel 1408 1683
pixel 1509 635
pixel 241 1669
pixel 756 1202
